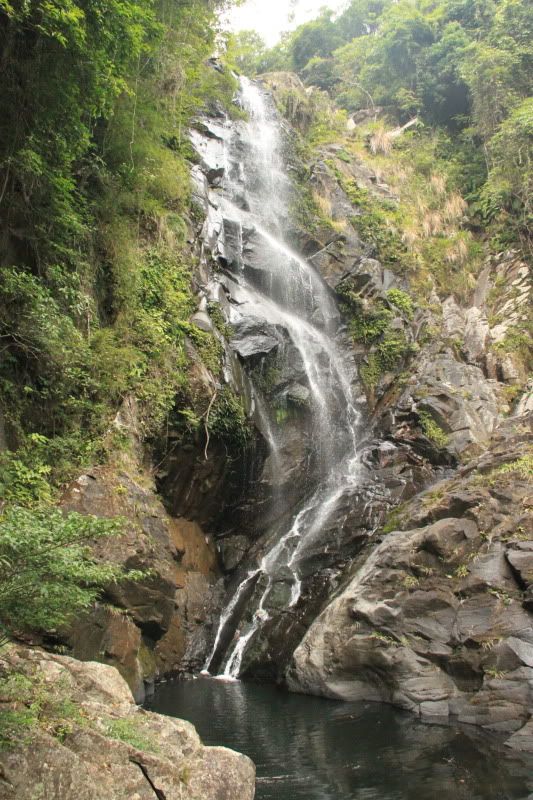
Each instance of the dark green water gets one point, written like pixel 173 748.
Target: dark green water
pixel 306 748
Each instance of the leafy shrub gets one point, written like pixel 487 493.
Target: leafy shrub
pixel 370 324
pixel 227 420
pixel 24 476
pixel 48 574
pixel 432 429
pixel 402 301
pixel 379 225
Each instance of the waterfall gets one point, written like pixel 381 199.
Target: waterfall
pixel 292 296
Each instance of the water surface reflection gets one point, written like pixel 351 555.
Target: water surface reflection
pixel 306 748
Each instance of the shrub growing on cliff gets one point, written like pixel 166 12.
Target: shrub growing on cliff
pixel 47 574
pixel 227 421
pixel 432 429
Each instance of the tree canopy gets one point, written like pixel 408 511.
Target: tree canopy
pixel 465 66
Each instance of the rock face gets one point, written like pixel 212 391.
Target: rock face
pixel 112 749
pixel 147 633
pixel 437 617
pixel 438 406
pixel 457 396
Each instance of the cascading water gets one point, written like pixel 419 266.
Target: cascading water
pixel 291 296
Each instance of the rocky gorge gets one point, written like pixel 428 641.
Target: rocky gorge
pixel 461 388
pixel 364 529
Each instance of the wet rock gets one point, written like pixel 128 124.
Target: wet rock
pixel 427 617
pixel 230 243
pixel 369 279
pixel 298 394
pixel 458 397
pixel 253 337
pixel 341 537
pixel 202 320
pixel 232 550
pixel 200 188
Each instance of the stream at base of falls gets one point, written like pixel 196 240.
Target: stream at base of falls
pixel 308 748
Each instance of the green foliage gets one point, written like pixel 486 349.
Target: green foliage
pixel 217 316
pixel 317 38
pixel 48 575
pixel 95 279
pixel 394 521
pixel 379 226
pixel 130 730
pixel 371 371
pixel 51 94
pixel 45 353
pixel 371 324
pixel 327 124
pixel 518 340
pixel 523 467
pixel 320 72
pixel 507 195
pixel 489 72
pixel 24 477
pixel 227 420
pixel 465 66
pixel 245 52
pixel 402 301
pixel 421 234
pixel 209 347
pixel 28 703
pixel 432 429
pixel 16 723
pixel 384 639
pixel 304 210
pixel 31 703
pixel 30 475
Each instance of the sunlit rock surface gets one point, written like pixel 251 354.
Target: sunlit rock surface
pixel 163 758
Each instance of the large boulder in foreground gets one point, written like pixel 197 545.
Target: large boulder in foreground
pixel 91 741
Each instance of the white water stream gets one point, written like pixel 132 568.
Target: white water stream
pixel 300 303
